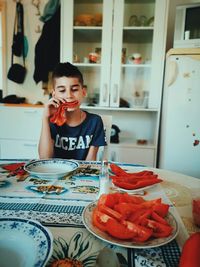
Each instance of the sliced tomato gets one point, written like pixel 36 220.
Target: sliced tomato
pixel 126 209
pixel 141 233
pixel 112 213
pixel 145 215
pixel 99 219
pixel 150 203
pixel 136 214
pixel 109 200
pixel 161 209
pixel 158 218
pixel 118 230
pixel 159 229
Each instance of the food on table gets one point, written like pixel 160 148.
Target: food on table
pixel 59 117
pixel 134 180
pixel 50 188
pixel 129 217
pixel 190 252
pixel 66 263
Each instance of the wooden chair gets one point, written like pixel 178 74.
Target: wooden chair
pixel 103 152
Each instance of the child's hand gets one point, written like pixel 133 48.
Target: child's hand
pixel 52 105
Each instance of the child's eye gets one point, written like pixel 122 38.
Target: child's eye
pixel 74 89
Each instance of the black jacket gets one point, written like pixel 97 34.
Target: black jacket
pixel 47 49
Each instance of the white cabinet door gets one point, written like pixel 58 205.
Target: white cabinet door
pixel 20 122
pixel 17 149
pixel 83 33
pixel 143 156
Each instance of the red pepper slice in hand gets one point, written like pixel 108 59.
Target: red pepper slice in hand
pixel 59 117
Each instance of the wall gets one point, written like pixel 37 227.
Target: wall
pixel 171 19
pixel 32 91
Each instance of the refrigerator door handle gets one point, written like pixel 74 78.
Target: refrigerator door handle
pixel 172 73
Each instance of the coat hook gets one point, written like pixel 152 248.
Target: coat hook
pixel 36 3
pixel 38 29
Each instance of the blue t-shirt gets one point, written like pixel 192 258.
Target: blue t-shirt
pixel 74 142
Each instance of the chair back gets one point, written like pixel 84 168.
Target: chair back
pixel 103 152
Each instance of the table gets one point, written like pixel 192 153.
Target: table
pixel 61 211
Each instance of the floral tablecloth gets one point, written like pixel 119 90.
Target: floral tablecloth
pixel 59 204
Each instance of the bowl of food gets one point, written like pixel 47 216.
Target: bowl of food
pixel 51 168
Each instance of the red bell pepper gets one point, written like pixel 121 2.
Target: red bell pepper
pixel 59 117
pixel 119 171
pixel 138 184
pixel 190 252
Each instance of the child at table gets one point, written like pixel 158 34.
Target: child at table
pixel 83 133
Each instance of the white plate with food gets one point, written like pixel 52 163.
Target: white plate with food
pixel 24 243
pixel 51 168
pixel 154 242
pixel 133 191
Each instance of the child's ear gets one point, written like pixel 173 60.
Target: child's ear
pixel 84 91
pixel 53 93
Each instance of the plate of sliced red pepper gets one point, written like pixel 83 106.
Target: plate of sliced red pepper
pixel 133 181
pixel 130 221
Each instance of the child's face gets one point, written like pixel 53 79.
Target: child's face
pixel 68 88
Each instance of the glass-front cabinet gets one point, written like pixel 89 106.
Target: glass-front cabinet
pixel 119 46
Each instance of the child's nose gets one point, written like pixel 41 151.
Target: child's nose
pixel 68 94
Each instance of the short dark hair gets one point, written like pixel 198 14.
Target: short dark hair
pixel 68 70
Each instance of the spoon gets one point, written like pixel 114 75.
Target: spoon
pixel 107 258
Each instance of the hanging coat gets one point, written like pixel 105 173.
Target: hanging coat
pixel 47 49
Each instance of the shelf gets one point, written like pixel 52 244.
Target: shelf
pixel 87 28
pixel 134 35
pixel 119 109
pixel 138 28
pixel 132 144
pixel 136 65
pixel 87 34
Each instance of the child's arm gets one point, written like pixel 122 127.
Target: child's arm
pixel 46 144
pixel 92 153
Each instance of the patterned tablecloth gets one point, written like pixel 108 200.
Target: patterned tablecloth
pixel 59 204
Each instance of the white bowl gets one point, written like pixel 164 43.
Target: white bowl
pixel 24 243
pixel 51 168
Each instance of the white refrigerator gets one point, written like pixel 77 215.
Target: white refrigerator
pixel 179 148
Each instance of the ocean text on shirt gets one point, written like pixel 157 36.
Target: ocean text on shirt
pixel 72 143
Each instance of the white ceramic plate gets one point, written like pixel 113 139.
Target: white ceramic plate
pixel 51 168
pixel 134 190
pixel 156 242
pixel 24 243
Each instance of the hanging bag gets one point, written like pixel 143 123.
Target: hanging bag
pixel 17 72
pixel 18 32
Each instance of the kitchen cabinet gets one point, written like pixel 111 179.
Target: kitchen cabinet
pixel 125 72
pixel 20 131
